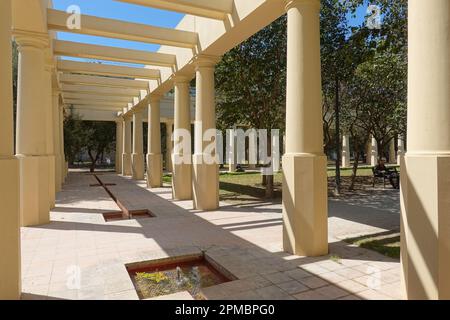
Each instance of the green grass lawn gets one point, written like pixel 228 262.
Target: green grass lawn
pixel 387 244
pixel 247 186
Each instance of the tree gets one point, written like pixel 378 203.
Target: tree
pixel 101 138
pixel 375 102
pixel 336 69
pixel 251 82
pixel 75 136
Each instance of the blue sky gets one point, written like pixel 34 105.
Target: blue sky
pixel 133 13
pixel 120 11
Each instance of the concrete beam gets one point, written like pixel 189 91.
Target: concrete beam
pixel 90 51
pixel 92 97
pixel 94 107
pixel 95 26
pixel 116 105
pixel 108 70
pixel 100 90
pixel 203 8
pixel 102 81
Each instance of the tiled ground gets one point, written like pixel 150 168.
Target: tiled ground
pixel 80 256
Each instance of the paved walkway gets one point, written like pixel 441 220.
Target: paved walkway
pixel 80 256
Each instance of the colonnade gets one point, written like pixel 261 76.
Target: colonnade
pixel 372 151
pixel 36 168
pixel 32 166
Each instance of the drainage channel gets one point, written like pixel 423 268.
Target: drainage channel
pixel 125 214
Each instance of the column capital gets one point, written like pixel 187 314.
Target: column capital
pixel 119 120
pixel 205 61
pixel 35 40
pixel 155 98
pixel 179 78
pixel 296 3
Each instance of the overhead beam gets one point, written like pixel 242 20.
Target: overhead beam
pixel 108 70
pixel 90 51
pixel 214 9
pixel 102 81
pixel 95 26
pixel 95 107
pixel 117 105
pixel 93 97
pixel 100 90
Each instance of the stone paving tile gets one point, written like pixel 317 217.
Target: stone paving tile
pixel 247 295
pixel 352 286
pixel 350 297
pixel 292 287
pixel 371 294
pixel 236 237
pixel 310 295
pixel 332 292
pixel 332 277
pixel 349 273
pixel 313 282
pixel 184 295
pixel 273 293
pixel 297 274
pixel 277 277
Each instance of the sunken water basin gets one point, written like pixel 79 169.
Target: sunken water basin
pixel 168 276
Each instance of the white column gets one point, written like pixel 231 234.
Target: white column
pixel 275 152
pixel 137 159
pixel 31 133
pixel 231 148
pixel 126 157
pixel 119 145
pixel 169 145
pixel 252 149
pixel 305 206
pixel 205 180
pixel 10 284
pixel 154 156
pixel 401 149
pixel 64 164
pixel 345 151
pixel 182 155
pixel 373 152
pixel 50 131
pixel 425 173
pixel 57 140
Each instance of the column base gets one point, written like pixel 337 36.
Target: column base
pixel 182 182
pixel 425 226
pixel 305 205
pixel 10 286
pixel 137 165
pixel 205 184
pixel 52 181
pixel 34 190
pixel 154 170
pixel 126 165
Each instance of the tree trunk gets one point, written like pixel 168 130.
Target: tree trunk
pixel 269 187
pixel 354 171
pixel 338 139
pixel 93 160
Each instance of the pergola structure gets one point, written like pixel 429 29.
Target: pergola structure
pixel 35 171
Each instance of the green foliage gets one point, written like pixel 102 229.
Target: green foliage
pixel 156 277
pixel 94 137
pixel 251 80
pixel 75 136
